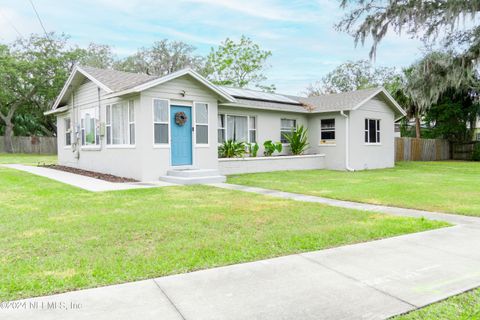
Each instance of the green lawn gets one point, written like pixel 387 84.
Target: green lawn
pixel 7 158
pixel 433 186
pixel 465 306
pixel 57 238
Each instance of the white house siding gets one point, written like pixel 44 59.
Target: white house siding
pixel 362 155
pixel 121 161
pixel 334 153
pixel 268 123
pixel 156 160
pixel 144 161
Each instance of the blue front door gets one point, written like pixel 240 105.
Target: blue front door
pixel 181 137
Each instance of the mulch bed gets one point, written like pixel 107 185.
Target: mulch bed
pixel 91 174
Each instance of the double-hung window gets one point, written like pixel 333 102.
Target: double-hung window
pixel 88 125
pixel 68 132
pixel 120 123
pixel 327 130
pixel 287 126
pixel 160 121
pixel 372 131
pixel 201 123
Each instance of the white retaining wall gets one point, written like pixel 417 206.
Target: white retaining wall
pixel 265 164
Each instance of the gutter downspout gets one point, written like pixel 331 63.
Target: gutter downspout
pixel 347 140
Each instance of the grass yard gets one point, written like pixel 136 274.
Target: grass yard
pixel 57 238
pixel 433 186
pixel 465 306
pixel 7 158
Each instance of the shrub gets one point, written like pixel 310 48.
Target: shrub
pixel 231 149
pixel 253 149
pixel 298 140
pixel 270 147
pixel 476 152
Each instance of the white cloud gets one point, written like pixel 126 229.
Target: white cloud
pixel 264 9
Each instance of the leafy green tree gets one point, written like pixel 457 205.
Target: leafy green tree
pixel 32 72
pixel 421 19
pixel 454 116
pixel 353 75
pixel 97 56
pixel 239 64
pixel 426 20
pixel 164 57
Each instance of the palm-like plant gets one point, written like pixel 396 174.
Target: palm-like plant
pixel 231 149
pixel 298 140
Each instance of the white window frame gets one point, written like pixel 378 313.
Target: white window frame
pixel 109 123
pixel 196 123
pixel 284 129
pixel 131 122
pixel 83 138
pixel 68 131
pixel 248 125
pixel 224 128
pixel 161 145
pixel 330 142
pixel 250 129
pixel 378 138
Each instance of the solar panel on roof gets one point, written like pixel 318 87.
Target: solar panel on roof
pixel 251 94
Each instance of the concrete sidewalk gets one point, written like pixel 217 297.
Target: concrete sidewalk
pixel 372 280
pixel 84 182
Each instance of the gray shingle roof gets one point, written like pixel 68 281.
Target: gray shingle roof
pixel 118 80
pixel 338 101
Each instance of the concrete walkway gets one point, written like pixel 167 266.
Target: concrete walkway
pixel 372 280
pixel 84 182
pixel 452 218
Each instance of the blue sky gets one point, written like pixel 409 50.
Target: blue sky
pixel 299 33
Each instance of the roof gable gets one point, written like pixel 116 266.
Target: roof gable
pixel 117 83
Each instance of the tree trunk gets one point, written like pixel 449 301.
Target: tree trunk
pixel 417 127
pixel 7 137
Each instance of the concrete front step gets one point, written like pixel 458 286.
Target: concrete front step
pixel 193 173
pixel 194 180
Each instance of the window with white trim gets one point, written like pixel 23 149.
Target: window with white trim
pixel 120 123
pixel 160 121
pixel 287 126
pixel 221 128
pixel 372 131
pixel 327 130
pixel 68 132
pixel 252 129
pixel 237 128
pixel 88 125
pixel 201 123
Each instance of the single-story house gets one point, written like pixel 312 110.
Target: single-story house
pixel 147 127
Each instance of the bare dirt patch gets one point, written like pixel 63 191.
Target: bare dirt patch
pixel 91 174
